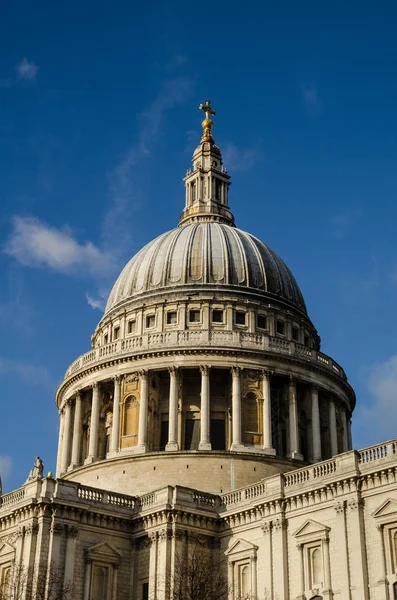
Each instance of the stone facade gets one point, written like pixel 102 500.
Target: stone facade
pixel 206 416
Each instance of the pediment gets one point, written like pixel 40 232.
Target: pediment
pixel 6 549
pixel 310 528
pixel 241 546
pixel 388 507
pixel 104 552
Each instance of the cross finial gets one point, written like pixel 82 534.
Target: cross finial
pixel 207 123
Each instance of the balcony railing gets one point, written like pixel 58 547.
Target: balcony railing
pixel 203 339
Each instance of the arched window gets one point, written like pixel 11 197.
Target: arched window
pixel 316 598
pixel 317 568
pixel 245 583
pixel 98 584
pixel 250 415
pixel 131 415
pixel 5 583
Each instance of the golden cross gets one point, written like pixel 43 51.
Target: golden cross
pixel 207 123
pixel 207 109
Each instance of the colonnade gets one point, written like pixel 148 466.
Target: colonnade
pixel 70 434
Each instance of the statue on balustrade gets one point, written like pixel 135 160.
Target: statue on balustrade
pixel 37 471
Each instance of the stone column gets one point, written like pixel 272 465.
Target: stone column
pixel 143 411
pixel 316 429
pixel 332 428
pixel 67 435
pixel 94 425
pixel 205 442
pixel 236 410
pixel 293 421
pixel 267 415
pixel 301 573
pixel 172 444
pixel 114 442
pixel 60 442
pixel 345 433
pixel 77 431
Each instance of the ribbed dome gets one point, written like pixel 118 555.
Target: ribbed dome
pixel 208 254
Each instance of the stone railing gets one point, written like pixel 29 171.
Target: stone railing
pixel 201 338
pixel 378 452
pixel 14 497
pixel 104 497
pixel 300 476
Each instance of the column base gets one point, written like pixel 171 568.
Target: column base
pixel 112 453
pixel 140 449
pixel 269 451
pixel 73 466
pixel 237 447
pixel 172 447
pixel 315 459
pixel 90 459
pixel 205 446
pixel 295 455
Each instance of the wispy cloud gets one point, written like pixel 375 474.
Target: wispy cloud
pixel 310 98
pixel 5 467
pixel 343 222
pixel 34 243
pixel 124 179
pixel 30 372
pixel 26 70
pixel 97 303
pixel 240 159
pixel 380 416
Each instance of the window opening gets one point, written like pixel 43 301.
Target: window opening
pixel 280 327
pixel 261 321
pixel 150 321
pixel 106 339
pixel 240 317
pixel 131 326
pixel 194 316
pixel 295 334
pixel 217 316
pixel 171 318
pixel 145 590
pixel 116 333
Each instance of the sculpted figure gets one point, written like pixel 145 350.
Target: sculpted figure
pixel 38 469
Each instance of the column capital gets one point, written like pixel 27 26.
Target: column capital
pixel 143 374
pixel 235 371
pixel 78 394
pixel 291 380
pixel 205 369
pixel 173 371
pixel 94 385
pixel 266 374
pixel 118 378
pixel 314 388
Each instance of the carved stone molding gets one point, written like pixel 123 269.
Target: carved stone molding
pixel 354 504
pixel 31 529
pixel 280 524
pixel 339 507
pixel 132 378
pixel 72 531
pixel 57 529
pixel 266 526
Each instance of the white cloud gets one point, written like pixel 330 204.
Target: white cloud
pixel 26 70
pixel 240 159
pixel 311 98
pixel 380 415
pixel 5 467
pixel 97 303
pixel 36 244
pixel 32 373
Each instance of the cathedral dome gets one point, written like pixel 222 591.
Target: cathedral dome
pixel 206 255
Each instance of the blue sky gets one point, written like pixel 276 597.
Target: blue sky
pixel 98 120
